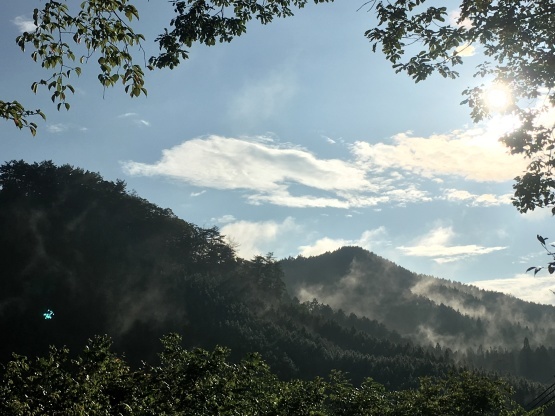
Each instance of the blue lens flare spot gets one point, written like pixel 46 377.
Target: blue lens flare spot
pixel 49 314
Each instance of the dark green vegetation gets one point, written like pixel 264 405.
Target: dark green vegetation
pixel 105 261
pixel 200 382
pixel 481 328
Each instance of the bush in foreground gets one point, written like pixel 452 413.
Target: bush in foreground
pixel 199 382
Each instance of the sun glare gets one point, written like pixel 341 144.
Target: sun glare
pixel 497 97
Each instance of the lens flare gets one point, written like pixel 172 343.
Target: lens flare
pixel 49 314
pixel 498 97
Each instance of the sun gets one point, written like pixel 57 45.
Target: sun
pixel 497 97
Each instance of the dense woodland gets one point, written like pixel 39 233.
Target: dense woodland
pixel 84 257
pixel 476 327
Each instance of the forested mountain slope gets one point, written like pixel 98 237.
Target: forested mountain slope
pixel 81 256
pixel 424 308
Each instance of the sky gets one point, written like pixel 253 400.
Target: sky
pixel 296 139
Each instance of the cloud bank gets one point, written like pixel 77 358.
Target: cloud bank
pixel 483 200
pixel 437 244
pixel 368 240
pixel 374 174
pixel 255 238
pixel 473 154
pixel 524 286
pixel 267 170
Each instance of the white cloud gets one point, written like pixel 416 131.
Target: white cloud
pixel 524 286
pixel 538 215
pixel 24 24
pixel 484 200
pixel 284 198
pixel 263 98
pixel 142 123
pixel 368 240
pixel 224 219
pixel 375 174
pixel 465 50
pixel 454 19
pixel 135 119
pixel 473 154
pixel 126 115
pixel 437 244
pixel 256 238
pixel 63 127
pixel 455 16
pixel 194 194
pixel 57 128
pixel 268 171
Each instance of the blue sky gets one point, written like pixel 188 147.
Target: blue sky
pixel 297 139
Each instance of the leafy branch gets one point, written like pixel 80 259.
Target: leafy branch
pixel 551 265
pixel 99 27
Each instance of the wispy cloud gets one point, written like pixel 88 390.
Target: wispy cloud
pixel 368 240
pixel 455 19
pixel 63 127
pixel 483 200
pixel 57 128
pixel 267 170
pixel 438 244
pixel 224 219
pixel 142 122
pixel 263 98
pixel 524 286
pixel 194 194
pixel 24 24
pixel 473 154
pixel 135 118
pixel 406 170
pixel 256 238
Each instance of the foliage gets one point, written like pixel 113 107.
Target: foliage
pixel 98 259
pixel 57 384
pixel 517 40
pixel 550 265
pixel 67 37
pixel 200 382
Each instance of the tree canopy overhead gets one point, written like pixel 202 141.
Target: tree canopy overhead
pixel 517 41
pixel 67 37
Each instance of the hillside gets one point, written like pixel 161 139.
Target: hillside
pixel 82 256
pixel 424 308
pixel 482 328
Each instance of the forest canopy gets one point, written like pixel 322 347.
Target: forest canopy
pixel 200 382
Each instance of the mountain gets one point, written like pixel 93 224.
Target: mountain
pixel 428 310
pixel 81 256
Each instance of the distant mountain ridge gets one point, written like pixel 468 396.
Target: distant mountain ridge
pixel 423 308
